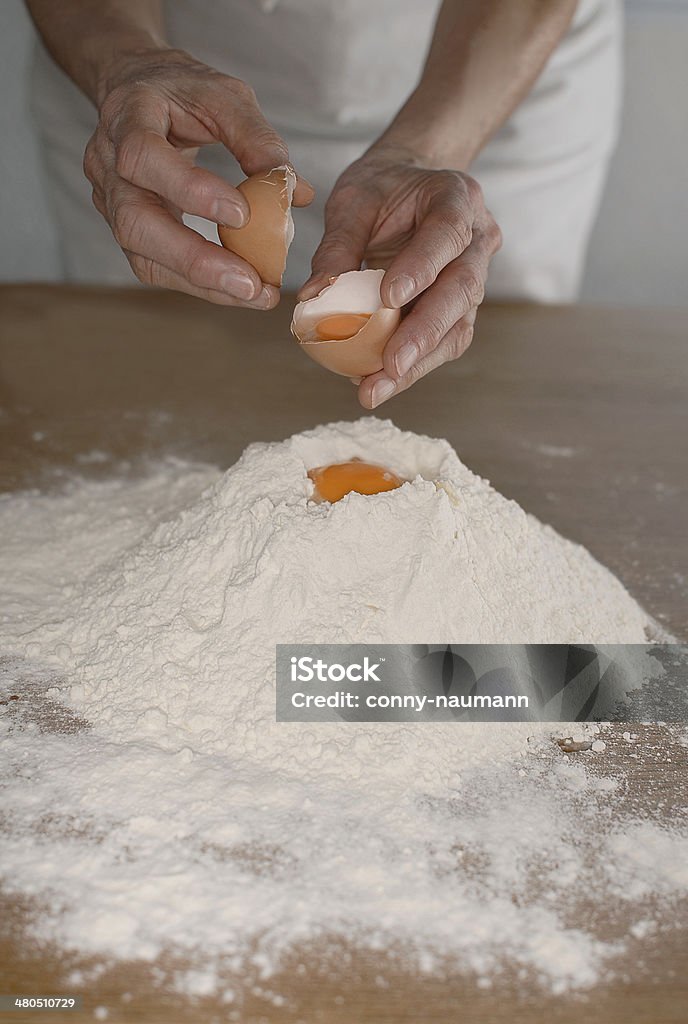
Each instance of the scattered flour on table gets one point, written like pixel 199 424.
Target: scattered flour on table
pixel 181 815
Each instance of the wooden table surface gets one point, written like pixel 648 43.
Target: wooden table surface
pixel 578 414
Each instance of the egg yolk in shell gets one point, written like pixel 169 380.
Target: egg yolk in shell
pixel 335 481
pixel 341 326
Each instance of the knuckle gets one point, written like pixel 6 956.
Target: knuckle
pixel 430 331
pixel 265 137
pixel 460 232
pixel 190 182
pixel 494 235
pixel 425 260
pixel 240 89
pixel 122 104
pixel 430 267
pixel 195 266
pixel 460 340
pixel 451 232
pixel 123 219
pixel 456 184
pixel 129 156
pixel 90 163
pixel 452 182
pixel 140 267
pixel 472 288
pixel 415 374
pixel 155 274
pixel 97 200
pixel 111 105
pixel 337 243
pixel 473 190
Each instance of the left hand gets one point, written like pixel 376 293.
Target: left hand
pixel 431 230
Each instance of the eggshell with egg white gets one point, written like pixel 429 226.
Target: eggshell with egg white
pixel 356 291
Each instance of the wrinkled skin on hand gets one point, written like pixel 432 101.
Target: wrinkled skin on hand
pixel 140 161
pixel 431 231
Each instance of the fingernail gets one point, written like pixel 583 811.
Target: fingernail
pixel 382 390
pixel 356 380
pixel 401 290
pixel 228 214
pixel 406 357
pixel 238 284
pixel 311 288
pixel 265 300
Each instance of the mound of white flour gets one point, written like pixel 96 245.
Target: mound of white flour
pixel 185 816
pixel 176 640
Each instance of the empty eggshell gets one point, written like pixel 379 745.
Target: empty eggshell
pixel 355 292
pixel 265 240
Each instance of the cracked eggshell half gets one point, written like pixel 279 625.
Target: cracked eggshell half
pixel 265 240
pixel 351 300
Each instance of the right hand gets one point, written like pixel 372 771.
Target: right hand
pixel 140 161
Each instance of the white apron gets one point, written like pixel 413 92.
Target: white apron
pixel 330 75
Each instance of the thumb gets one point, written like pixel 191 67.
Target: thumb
pixel 349 221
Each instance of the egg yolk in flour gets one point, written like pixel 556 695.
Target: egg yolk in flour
pixel 341 326
pixel 335 481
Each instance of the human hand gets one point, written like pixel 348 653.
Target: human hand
pixel 432 233
pixel 154 114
